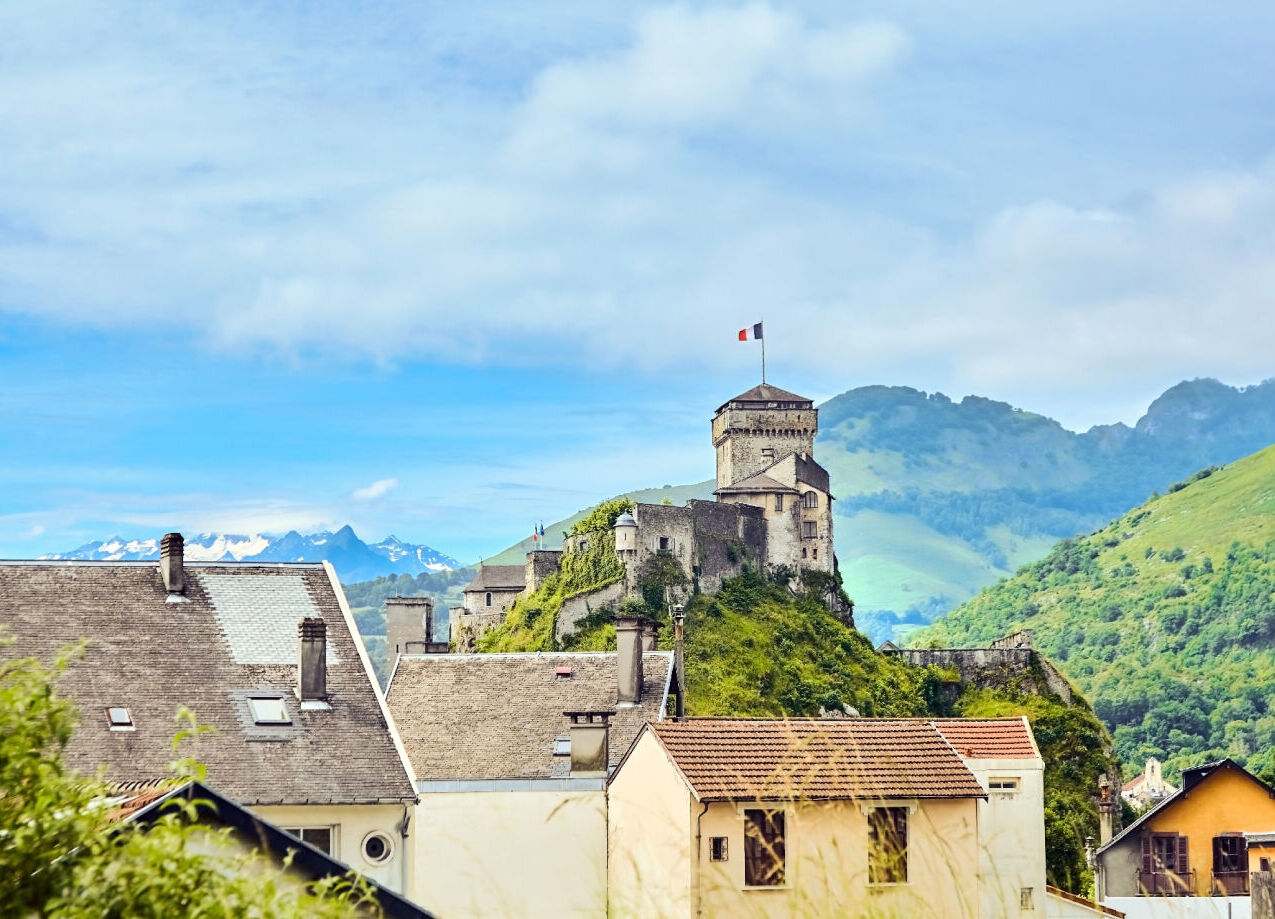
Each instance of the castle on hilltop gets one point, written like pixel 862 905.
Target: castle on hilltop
pixel 773 509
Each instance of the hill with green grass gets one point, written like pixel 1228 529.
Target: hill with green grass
pixel 761 647
pixel 939 498
pixel 1165 618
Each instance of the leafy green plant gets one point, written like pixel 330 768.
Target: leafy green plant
pixel 62 856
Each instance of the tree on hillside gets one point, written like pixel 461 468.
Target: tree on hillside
pixel 61 856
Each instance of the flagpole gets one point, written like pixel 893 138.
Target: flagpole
pixel 763 350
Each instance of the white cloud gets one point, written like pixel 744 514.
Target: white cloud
pixel 627 201
pixel 377 489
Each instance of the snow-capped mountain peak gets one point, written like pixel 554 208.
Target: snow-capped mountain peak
pixel 353 559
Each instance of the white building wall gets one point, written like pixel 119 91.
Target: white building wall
pixel 1011 831
pixel 352 824
pixel 512 853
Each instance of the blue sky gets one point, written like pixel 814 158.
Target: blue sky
pixel 443 272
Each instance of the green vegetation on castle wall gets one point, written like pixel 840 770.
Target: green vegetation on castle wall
pixel 531 621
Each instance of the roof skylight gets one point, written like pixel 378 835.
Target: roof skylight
pixel 268 710
pixel 119 718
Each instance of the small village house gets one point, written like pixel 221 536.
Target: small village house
pixel 266 656
pixel 1193 843
pixel 248 832
pixel 737 817
pixel 511 754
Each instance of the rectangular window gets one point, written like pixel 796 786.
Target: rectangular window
pixel 763 848
pixel 779 502
pixel 562 746
pixel 663 544
pixel 318 836
pixel 767 454
pixel 1025 899
pixel 489 598
pixel 1003 787
pixel 119 718
pixel 1230 864
pixel 268 710
pixel 888 845
pixel 719 848
pixel 809 529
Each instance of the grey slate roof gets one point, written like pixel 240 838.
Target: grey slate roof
pixel 498 577
pixel 765 393
pixel 237 635
pixel 758 483
pixel 495 716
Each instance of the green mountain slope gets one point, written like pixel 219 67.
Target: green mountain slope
pixel 939 498
pixel 1165 618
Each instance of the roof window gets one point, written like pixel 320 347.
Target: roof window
pixel 563 673
pixel 268 710
pixel 119 718
pixel 562 745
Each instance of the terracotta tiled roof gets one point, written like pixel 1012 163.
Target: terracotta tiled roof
pixel 1134 782
pixel 495 716
pixel 989 738
pixel 235 635
pixel 499 577
pixel 858 758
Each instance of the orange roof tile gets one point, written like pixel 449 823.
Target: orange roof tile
pixel 860 758
pixel 989 738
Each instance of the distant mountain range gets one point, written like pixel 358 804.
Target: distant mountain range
pixel 939 498
pixel 353 559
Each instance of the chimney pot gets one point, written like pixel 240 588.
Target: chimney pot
pixel 312 666
pixel 628 644
pixel 172 562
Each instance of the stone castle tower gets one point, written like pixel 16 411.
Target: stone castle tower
pixel 758 427
pixel 765 442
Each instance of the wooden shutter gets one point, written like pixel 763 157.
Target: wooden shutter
pixel 1148 860
pixel 1184 866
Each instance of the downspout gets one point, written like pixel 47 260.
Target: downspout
pixel 699 860
pixel 408 857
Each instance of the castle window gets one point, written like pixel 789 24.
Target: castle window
pixel 810 499
pixel 489 598
pixel 779 502
pixel 809 529
pixel 767 454
pixel 803 551
pixel 814 553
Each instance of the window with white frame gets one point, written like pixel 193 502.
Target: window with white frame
pixel 321 837
pixel 888 845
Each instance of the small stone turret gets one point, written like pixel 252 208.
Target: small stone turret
pixel 626 533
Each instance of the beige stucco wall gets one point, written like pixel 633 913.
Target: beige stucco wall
pixel 1011 837
pixel 504 854
pixel 651 837
pixel 827 864
pixel 657 832
pixel 353 823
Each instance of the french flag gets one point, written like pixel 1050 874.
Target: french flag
pixel 753 334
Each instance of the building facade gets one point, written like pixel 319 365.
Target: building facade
pixel 266 655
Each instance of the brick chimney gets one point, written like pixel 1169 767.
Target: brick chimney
pixel 590 739
pixel 312 666
pixel 172 562
pixel 628 644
